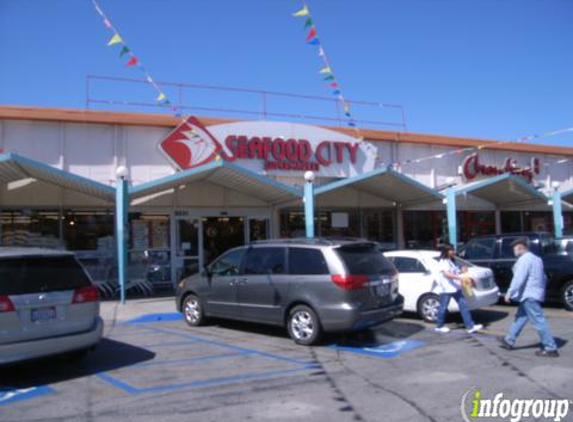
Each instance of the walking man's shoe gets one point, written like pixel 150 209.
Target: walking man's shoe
pixel 547 353
pixel 504 343
pixel 475 329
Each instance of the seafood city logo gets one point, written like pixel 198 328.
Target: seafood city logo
pixel 474 407
pixel 191 145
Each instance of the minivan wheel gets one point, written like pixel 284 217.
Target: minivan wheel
pixel 303 325
pixel 428 307
pixel 567 295
pixel 193 311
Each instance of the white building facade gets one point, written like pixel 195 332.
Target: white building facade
pixel 200 187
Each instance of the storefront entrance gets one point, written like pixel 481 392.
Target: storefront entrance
pixel 199 240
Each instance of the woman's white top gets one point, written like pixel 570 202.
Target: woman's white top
pixel 446 284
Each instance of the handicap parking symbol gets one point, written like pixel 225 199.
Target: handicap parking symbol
pixel 389 350
pixel 10 395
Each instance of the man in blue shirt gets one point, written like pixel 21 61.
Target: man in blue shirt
pixel 528 288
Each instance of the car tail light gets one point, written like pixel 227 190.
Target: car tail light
pixel 6 304
pixel 86 294
pixel 350 282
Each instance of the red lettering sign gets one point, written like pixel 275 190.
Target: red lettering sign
pixel 473 168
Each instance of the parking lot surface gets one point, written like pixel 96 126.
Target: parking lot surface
pixel 152 366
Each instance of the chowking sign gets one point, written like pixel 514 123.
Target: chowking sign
pixel 473 168
pixel 269 147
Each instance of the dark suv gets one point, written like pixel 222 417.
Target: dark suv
pixel 496 253
pixel 308 285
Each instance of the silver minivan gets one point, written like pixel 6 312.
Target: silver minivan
pixel 48 305
pixel 310 286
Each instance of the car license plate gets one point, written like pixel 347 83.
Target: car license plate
pixel 43 314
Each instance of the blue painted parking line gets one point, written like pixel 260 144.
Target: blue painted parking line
pixel 159 317
pixel 198 339
pixel 390 350
pixel 189 360
pixel 11 395
pixel 232 352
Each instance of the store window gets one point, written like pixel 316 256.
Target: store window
pixel 379 226
pixel 343 223
pixel 424 229
pixel 28 227
pixel 475 223
pixel 292 223
pixel 88 230
pixel 511 221
pixel 149 254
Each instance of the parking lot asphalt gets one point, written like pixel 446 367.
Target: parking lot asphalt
pixel 151 366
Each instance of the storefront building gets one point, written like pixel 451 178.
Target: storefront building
pixel 197 188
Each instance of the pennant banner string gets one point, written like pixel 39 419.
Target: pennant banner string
pixel 329 78
pixel 133 60
pixel 332 83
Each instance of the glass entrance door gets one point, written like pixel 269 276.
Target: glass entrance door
pixel 186 247
pixel 221 234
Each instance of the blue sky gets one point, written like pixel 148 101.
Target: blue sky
pixel 481 68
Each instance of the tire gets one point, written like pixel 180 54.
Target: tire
pixel 192 309
pixel 567 295
pixel 428 306
pixel 303 325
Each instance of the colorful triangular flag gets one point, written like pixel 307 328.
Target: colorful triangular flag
pixel 161 97
pixel 336 92
pixel 302 12
pixel 314 41
pixel 329 78
pixel 308 23
pixel 124 51
pixel 132 62
pixel 321 52
pixel 116 39
pixel 325 70
pixel 107 23
pixel 311 34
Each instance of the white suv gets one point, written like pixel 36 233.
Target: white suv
pixel 418 271
pixel 48 305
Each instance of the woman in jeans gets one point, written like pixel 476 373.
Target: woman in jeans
pixel 450 287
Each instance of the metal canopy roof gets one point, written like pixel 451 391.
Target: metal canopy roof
pixel 226 175
pixel 386 184
pixel 567 196
pixel 14 167
pixel 503 190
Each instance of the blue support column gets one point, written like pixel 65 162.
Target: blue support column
pixel 309 208
pixel 121 232
pixel 557 214
pixel 452 215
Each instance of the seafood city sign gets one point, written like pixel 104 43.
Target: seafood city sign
pixel 472 168
pixel 269 147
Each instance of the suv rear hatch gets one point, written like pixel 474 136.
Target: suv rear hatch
pixel 44 296
pixel 371 279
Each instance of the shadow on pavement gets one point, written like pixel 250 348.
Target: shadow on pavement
pixel 108 355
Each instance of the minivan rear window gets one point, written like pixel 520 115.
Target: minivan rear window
pixel 365 259
pixel 40 274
